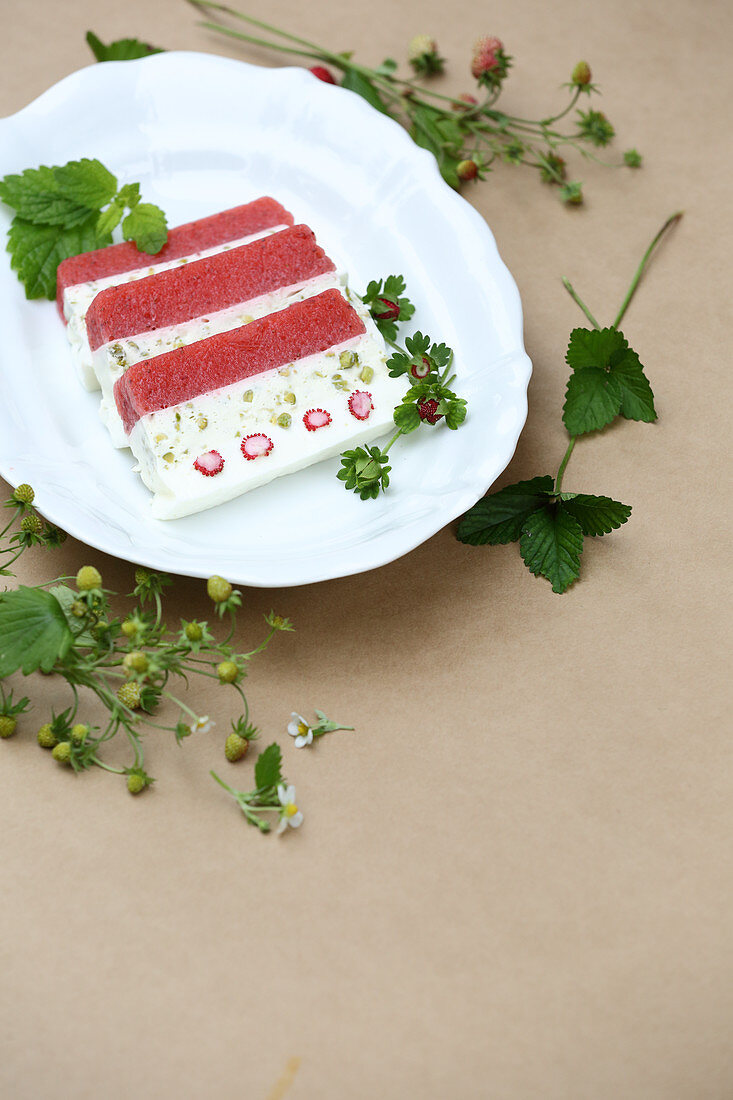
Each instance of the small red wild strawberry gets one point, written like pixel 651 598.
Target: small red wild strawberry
pixel 467 169
pixel 464 102
pixel 323 74
pixel 384 309
pixel 428 410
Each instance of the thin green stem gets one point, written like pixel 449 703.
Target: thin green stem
pixel 643 265
pixel 579 301
pixel 571 104
pixel 563 464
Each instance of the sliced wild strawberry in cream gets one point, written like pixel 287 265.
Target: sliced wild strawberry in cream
pixel 316 418
pixel 209 464
pixel 361 404
pixel 257 445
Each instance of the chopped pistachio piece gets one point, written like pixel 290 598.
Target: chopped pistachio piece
pixel 290 398
pixel 284 420
pixel 366 374
pixel 247 395
pixel 202 423
pixel 348 359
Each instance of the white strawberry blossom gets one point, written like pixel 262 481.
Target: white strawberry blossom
pixel 289 812
pixel 300 730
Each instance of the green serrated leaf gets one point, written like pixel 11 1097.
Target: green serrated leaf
pixel 146 225
pixel 596 515
pixel 499 518
pixel 129 195
pixel 124 49
pixel 551 544
pixel 407 418
pixel 86 182
pixel 34 632
pixel 593 347
pixel 268 767
pixel 37 250
pixel 110 218
pixel 36 197
pixel 592 400
pixel 455 413
pixel 66 597
pixel 355 82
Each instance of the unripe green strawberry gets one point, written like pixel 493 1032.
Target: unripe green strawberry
pixel 46 737
pixel 141 576
pixel 135 783
pixel 581 74
pixel 78 609
pixel 129 628
pixel 31 523
pixel 88 577
pixel 7 725
pixel 235 747
pixel 62 752
pixel 79 733
pixel 24 494
pixel 135 661
pixel 218 589
pixel 194 632
pixel 228 672
pixel 129 695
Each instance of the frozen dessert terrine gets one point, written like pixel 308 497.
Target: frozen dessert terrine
pixel 228 413
pixel 135 321
pixel 81 278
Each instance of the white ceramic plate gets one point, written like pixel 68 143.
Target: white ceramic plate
pixel 203 133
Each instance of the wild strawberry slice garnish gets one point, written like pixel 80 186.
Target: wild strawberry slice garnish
pixel 316 418
pixel 421 367
pixel 384 309
pixel 254 446
pixel 429 411
pixel 209 464
pixel 360 404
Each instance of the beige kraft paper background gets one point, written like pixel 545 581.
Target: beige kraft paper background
pixel 514 878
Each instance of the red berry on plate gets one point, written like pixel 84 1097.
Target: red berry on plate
pixel 429 411
pixel 421 367
pixel 384 309
pixel 209 464
pixel 323 74
pixel 253 446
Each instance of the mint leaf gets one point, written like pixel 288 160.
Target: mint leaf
pixel 499 518
pixel 37 250
pixel 86 182
pixel 592 400
pixel 33 631
pixel 267 767
pixel 355 82
pixel 36 197
pixel 124 49
pixel 596 515
pixel 146 225
pixel 551 544
pixel 594 347
pixel 637 400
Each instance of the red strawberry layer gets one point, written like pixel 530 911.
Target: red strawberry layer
pixel 305 328
pixel 207 285
pixel 116 259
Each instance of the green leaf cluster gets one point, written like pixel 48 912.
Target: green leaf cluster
pixel 392 289
pixel 34 632
pixel 68 209
pixel 549 527
pixel 365 470
pixel 608 380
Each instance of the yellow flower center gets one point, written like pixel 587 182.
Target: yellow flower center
pixel 302 729
pixel 290 810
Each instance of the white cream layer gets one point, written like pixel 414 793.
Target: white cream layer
pixel 78 298
pixel 112 360
pixel 167 443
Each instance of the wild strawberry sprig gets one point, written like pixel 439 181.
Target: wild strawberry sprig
pixel 468 134
pixel 124 663
pixel 425 365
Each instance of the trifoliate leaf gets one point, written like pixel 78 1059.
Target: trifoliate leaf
pixel 34 632
pixel 36 197
pixel 551 544
pixel 499 518
pixel 355 82
pixel 37 250
pixel 146 225
pixel 124 49
pixel 637 400
pixel 87 182
pixel 268 767
pixel 592 400
pixel 596 515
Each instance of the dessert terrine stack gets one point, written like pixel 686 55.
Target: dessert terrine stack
pixel 239 355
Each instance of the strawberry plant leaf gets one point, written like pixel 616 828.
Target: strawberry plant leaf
pixel 499 518
pixel 551 544
pixel 34 632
